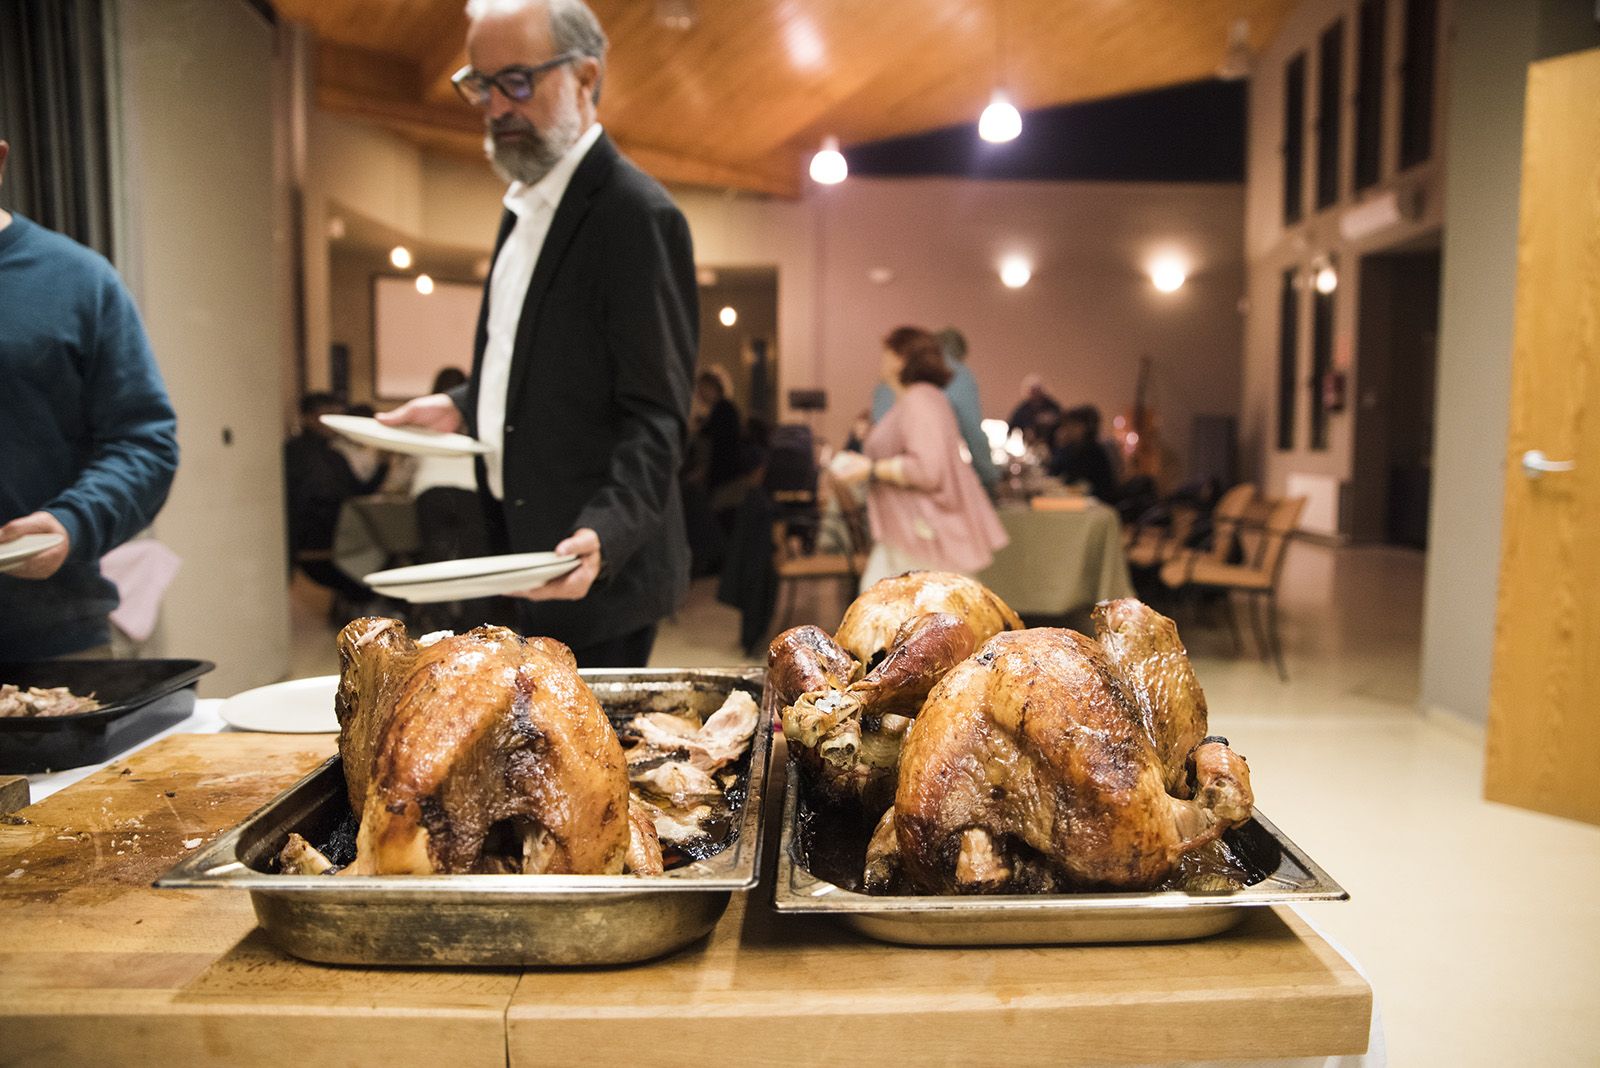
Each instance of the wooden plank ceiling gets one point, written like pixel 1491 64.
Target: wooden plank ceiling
pixel 744 96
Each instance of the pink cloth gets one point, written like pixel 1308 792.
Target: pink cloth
pixel 141 571
pixel 942 515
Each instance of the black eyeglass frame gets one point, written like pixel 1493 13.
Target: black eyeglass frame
pixel 469 82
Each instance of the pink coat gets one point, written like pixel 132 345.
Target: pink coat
pixel 942 516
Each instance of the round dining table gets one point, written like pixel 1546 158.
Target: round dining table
pixel 1065 554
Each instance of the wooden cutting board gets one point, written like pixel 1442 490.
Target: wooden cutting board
pixel 13 793
pixel 98 967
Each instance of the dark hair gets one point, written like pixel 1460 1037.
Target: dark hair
pixel 711 378
pixel 1088 416
pixel 313 402
pixel 448 378
pixel 924 358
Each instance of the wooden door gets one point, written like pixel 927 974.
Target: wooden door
pixel 1544 705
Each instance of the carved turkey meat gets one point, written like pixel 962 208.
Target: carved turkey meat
pixel 1052 761
pixel 848 699
pixel 482 752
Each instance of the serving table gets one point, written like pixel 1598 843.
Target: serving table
pixel 1059 559
pixel 97 966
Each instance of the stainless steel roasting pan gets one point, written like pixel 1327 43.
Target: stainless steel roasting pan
pixel 493 920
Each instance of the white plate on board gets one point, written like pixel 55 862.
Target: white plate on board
pixel 299 706
pixel 13 553
pixel 463 580
pixel 411 440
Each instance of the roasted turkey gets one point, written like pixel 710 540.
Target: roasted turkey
pixel 1052 761
pixel 848 699
pixel 481 752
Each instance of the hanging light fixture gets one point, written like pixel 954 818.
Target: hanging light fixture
pixel 1235 63
pixel 828 166
pixel 1000 121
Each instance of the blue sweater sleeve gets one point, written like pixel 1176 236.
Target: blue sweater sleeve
pixel 134 444
pixel 963 394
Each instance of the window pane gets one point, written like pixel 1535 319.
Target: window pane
pixel 1330 110
pixel 1416 82
pixel 1369 94
pixel 1288 336
pixel 1294 139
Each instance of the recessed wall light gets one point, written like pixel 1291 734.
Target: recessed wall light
pixel 1015 272
pixel 1168 275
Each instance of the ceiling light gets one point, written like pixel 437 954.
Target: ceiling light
pixel 336 229
pixel 728 316
pixel 1000 121
pixel 828 166
pixel 1168 275
pixel 1235 63
pixel 400 256
pixel 1015 271
pixel 424 284
pixel 1326 280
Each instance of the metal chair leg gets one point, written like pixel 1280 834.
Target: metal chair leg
pixel 1256 627
pixel 1233 623
pixel 1272 630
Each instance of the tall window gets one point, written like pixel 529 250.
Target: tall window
pixel 1416 82
pixel 1294 140
pixel 1330 109
pixel 1321 358
pixel 1369 94
pixel 1288 352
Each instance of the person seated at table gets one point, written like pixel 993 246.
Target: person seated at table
pixel 925 505
pixel 318 480
pixel 1078 458
pixel 1038 413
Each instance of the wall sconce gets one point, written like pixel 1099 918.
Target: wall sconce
pixel 1015 272
pixel 1168 274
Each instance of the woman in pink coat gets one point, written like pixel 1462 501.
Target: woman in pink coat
pixel 927 509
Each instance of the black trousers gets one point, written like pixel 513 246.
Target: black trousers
pixel 630 650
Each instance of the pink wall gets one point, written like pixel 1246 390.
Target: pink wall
pixel 1082 322
pixel 1084 319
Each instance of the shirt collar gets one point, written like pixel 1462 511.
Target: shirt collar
pixel 521 199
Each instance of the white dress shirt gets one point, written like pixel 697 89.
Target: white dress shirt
pixel 534 206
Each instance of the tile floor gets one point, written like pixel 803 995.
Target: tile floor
pixel 1478 924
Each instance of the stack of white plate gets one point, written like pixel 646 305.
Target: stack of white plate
pixel 462 580
pixel 14 553
pixel 412 440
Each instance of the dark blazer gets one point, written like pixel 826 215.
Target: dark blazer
pixel 598 401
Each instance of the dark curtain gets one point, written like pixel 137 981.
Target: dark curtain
pixel 53 111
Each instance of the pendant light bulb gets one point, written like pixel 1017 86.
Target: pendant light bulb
pixel 828 166
pixel 1000 121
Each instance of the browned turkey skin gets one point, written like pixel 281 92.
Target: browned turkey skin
pixel 1051 761
pixel 483 752
pixel 848 699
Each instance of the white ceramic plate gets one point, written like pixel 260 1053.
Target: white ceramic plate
pixel 479 576
pixel 13 553
pixel 299 706
pixel 408 439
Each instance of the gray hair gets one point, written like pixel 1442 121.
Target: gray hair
pixel 573 28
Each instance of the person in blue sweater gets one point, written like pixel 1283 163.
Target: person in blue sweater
pixel 88 439
pixel 962 390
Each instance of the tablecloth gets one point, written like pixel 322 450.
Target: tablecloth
pixel 1059 561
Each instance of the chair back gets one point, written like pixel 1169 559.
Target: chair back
pixel 1283 519
pixel 1228 521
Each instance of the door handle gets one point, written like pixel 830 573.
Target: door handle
pixel 1534 464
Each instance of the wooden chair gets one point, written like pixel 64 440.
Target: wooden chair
pixel 1153 547
pixel 796 560
pixel 1266 545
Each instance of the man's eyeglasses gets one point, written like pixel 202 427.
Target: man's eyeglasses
pixel 515 83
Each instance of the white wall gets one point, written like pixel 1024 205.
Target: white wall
pixel 1495 41
pixel 203 247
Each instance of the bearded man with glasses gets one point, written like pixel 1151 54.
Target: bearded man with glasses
pixel 586 341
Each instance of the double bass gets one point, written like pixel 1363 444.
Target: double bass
pixel 1137 436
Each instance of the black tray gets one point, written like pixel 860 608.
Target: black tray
pixel 138 698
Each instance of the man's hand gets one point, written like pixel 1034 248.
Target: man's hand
pixel 41 565
pixel 433 412
pixel 574 585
